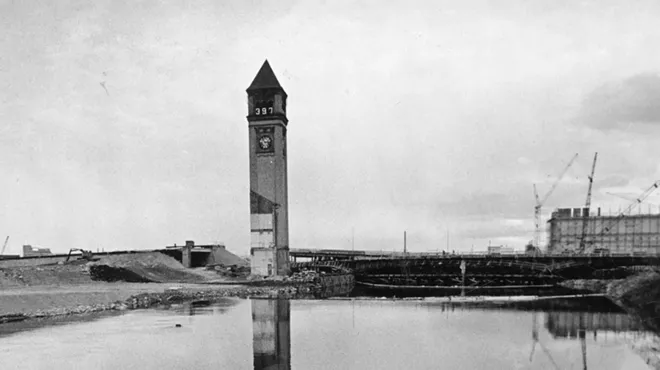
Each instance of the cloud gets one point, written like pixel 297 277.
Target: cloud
pixel 407 129
pixel 511 204
pixel 613 181
pixel 623 105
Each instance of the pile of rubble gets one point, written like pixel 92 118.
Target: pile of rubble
pixel 234 271
pixel 142 267
pixel 304 276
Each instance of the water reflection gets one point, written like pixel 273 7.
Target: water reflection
pixel 613 326
pixel 383 334
pixel 204 307
pixel 271 333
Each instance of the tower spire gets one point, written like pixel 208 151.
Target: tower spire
pixel 265 79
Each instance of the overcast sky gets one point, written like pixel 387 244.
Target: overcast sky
pixel 433 117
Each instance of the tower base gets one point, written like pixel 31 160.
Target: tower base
pixel 270 261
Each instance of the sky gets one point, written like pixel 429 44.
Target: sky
pixel 122 123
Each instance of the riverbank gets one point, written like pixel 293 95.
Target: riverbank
pixel 42 302
pixel 19 305
pixel 639 295
pixel 145 280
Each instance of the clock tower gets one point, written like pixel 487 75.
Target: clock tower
pixel 269 209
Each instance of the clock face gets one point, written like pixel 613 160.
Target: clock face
pixel 265 142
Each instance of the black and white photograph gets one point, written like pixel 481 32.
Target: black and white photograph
pixel 313 184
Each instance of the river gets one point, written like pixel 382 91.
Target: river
pixel 334 334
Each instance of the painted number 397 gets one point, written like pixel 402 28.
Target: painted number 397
pixel 262 111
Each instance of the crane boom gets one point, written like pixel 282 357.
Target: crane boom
pixel 561 176
pixel 539 203
pixel 628 198
pixel 591 181
pixel 4 245
pixel 637 201
pixel 587 204
pixel 623 214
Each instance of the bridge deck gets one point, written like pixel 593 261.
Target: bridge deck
pixel 432 269
pixel 361 254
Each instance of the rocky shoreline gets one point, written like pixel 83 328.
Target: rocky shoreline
pixel 170 296
pixel 314 286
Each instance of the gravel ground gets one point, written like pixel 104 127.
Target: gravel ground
pixel 27 300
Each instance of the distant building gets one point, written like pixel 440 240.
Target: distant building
pixel 29 251
pixel 611 233
pixel 499 249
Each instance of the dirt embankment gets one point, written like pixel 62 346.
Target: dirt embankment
pixel 144 268
pixel 91 298
pixel 77 286
pixel 72 273
pixel 640 294
pixel 135 267
pixel 127 281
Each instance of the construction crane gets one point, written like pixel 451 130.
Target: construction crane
pixel 540 202
pixel 85 254
pixel 587 204
pixel 535 340
pixel 4 246
pixel 607 228
pixel 630 198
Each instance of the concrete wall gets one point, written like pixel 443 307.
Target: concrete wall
pixel 186 256
pixel 262 261
pixel 283 261
pixel 270 261
pixel 261 235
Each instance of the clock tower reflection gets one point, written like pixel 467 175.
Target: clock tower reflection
pixel 271 334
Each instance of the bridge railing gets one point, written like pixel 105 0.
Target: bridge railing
pixel 384 254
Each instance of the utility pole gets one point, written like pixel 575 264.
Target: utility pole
pixel 404 243
pixel 353 237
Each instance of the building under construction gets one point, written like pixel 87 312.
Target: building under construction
pixel 632 233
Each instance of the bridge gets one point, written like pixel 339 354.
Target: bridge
pixel 427 270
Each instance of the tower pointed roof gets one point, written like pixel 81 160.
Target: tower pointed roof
pixel 265 79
